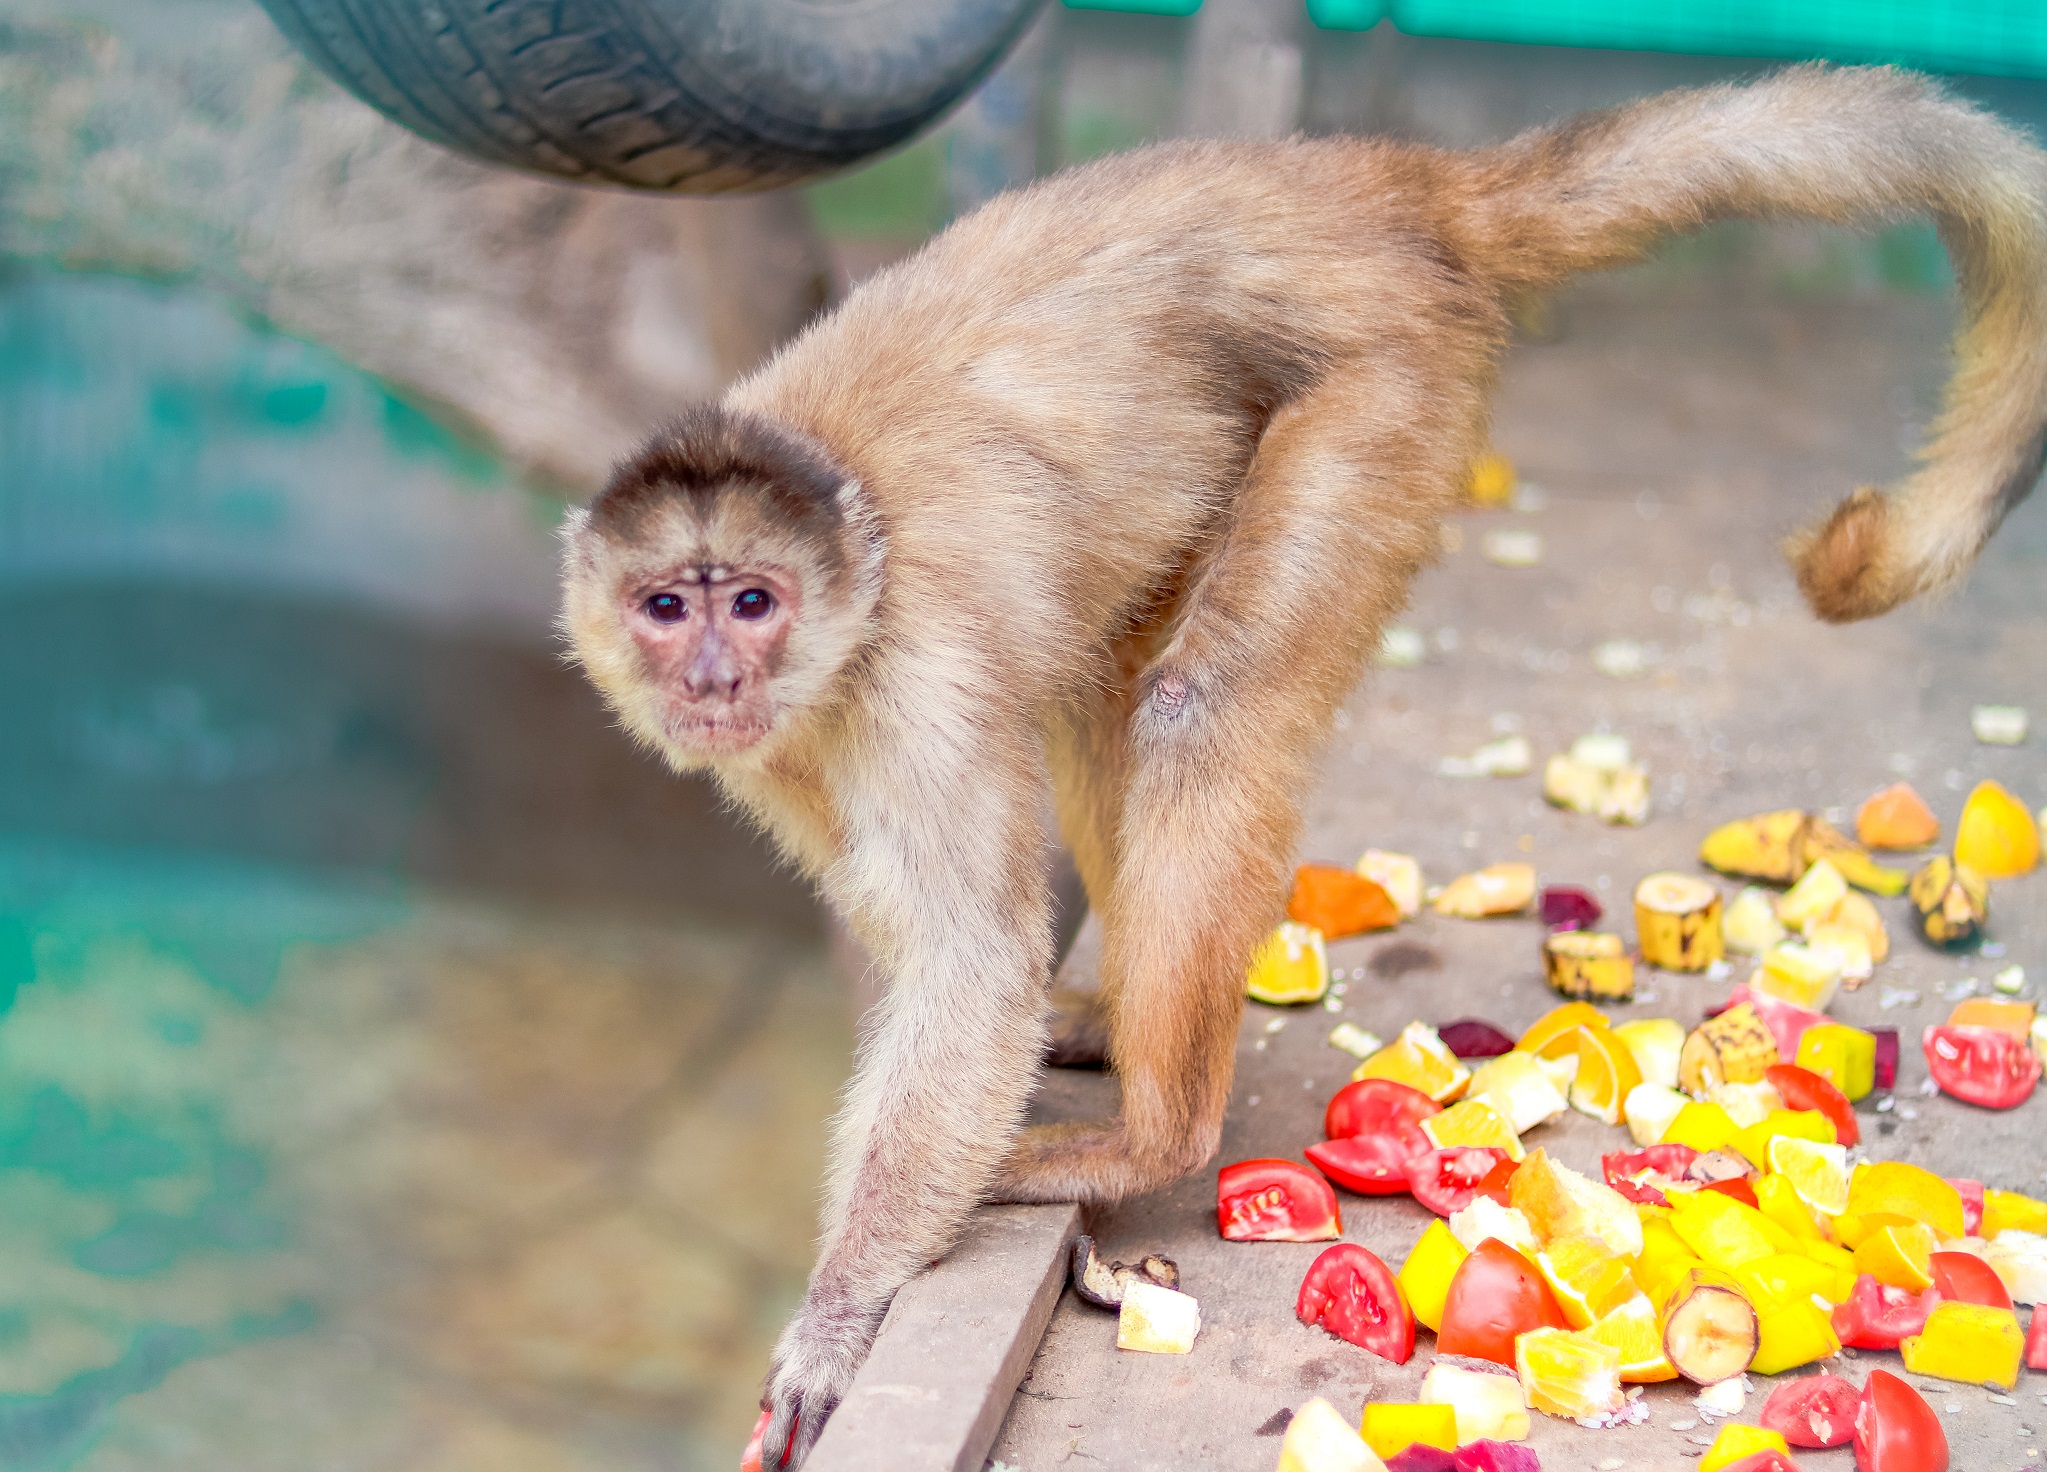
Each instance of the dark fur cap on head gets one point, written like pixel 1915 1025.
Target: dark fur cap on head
pixel 711 449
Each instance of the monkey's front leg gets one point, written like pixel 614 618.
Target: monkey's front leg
pixel 942 1079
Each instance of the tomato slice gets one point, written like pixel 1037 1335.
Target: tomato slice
pixel 1624 1169
pixel 1349 1292
pixel 1818 1410
pixel 1445 1180
pixel 750 1459
pixel 1371 1165
pixel 2036 1342
pixel 1877 1316
pixel 1495 1185
pixel 1495 1295
pixel 1985 1066
pixel 1896 1430
pixel 1801 1088
pixel 1967 1278
pixel 1972 1204
pixel 1378 1106
pixel 1274 1201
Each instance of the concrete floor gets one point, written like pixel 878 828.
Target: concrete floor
pixel 1675 441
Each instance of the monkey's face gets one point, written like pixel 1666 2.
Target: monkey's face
pixel 719 584
pixel 712 640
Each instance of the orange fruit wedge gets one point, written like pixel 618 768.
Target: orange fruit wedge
pixel 1606 1072
pixel 1590 1280
pixel 1636 1331
pixel 1290 967
pixel 1997 836
pixel 1559 1020
pixel 1567 1373
pixel 1817 1172
pixel 1897 817
pixel 1418 1059
pixel 1901 1257
pixel 1473 1122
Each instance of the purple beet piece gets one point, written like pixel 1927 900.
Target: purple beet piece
pixel 1566 907
pixel 1468 1037
pixel 1485 1455
pixel 1886 1057
pixel 1421 1457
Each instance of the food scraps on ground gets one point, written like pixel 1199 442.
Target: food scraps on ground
pixel 1318 1439
pixel 1156 1320
pixel 1102 1283
pixel 1599 776
pixel 1512 547
pixel 1498 889
pixel 1998 725
pixel 1996 836
pixel 1896 818
pixel 1353 1295
pixel 1508 756
pixel 1291 967
pixel 1950 903
pixel 1677 922
pixel 1588 964
pixel 1398 874
pixel 1566 907
pixel 1272 1200
pixel 1777 848
pixel 1354 1040
pixel 1339 902
pixel 1472 1037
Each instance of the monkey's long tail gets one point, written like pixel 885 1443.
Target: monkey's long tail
pixel 1844 145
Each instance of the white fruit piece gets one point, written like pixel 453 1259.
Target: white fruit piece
pixel 1486 1218
pixel 1399 875
pixel 1510 756
pixel 1649 1110
pixel 1846 947
pixel 1813 898
pixel 1157 1320
pixel 1803 975
pixel 1354 1040
pixel 1318 1439
pixel 2020 1259
pixel 1750 924
pixel 1487 1405
pixel 1998 725
pixel 1746 1104
pixel 1516 1085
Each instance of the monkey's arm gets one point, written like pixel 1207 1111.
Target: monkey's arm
pixel 942 869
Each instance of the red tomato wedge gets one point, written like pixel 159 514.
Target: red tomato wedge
pixel 1378 1106
pixel 1738 1188
pixel 1274 1201
pixel 1494 1185
pixel 1495 1295
pixel 1896 1430
pixel 1349 1292
pixel 1972 1204
pixel 750 1459
pixel 1801 1088
pixel 1371 1165
pixel 1877 1316
pixel 2036 1342
pixel 1966 1278
pixel 1668 1162
pixel 1984 1066
pixel 1445 1180
pixel 1818 1410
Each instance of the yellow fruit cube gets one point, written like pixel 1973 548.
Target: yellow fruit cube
pixel 1737 1441
pixel 1290 967
pixel 1813 898
pixel 1724 1232
pixel 1516 1084
pixel 1650 1110
pixel 1391 1428
pixel 1799 974
pixel 1793 1330
pixel 1971 1342
pixel 1844 1056
pixel 1318 1439
pixel 1909 1191
pixel 1750 924
pixel 1655 1043
pixel 1843 947
pixel 1779 1200
pixel 1157 1320
pixel 1704 1127
pixel 2008 1209
pixel 1799 1124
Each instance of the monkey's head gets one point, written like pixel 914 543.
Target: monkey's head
pixel 719 582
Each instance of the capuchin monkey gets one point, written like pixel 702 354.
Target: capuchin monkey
pixel 1110 489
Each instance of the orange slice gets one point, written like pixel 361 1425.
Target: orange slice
pixel 1901 1257
pixel 1559 1020
pixel 1473 1122
pixel 1997 836
pixel 1290 967
pixel 1817 1172
pixel 1590 1280
pixel 1418 1059
pixel 1635 1330
pixel 1567 1373
pixel 1606 1072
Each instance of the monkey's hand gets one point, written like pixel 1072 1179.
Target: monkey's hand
pixel 812 1368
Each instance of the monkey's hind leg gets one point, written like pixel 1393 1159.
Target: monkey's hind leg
pixel 1337 513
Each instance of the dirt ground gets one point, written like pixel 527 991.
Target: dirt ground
pixel 1672 444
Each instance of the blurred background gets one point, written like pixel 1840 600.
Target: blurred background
pixel 397 1069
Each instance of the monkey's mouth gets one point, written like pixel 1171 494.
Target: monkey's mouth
pixel 715 732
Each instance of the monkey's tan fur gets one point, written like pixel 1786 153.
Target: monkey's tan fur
pixel 1128 471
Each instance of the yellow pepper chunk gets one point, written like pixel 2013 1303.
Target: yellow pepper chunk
pixel 1721 1230
pixel 1425 1276
pixel 1840 1265
pixel 1793 1329
pixel 2004 1210
pixel 1778 1200
pixel 1704 1127
pixel 1845 1056
pixel 1971 1342
pixel 1736 1441
pixel 1909 1191
pixel 1390 1429
pixel 1800 1124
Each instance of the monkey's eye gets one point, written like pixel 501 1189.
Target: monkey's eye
pixel 667 608
pixel 753 603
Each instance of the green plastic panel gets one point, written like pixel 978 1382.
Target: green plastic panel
pixel 1997 37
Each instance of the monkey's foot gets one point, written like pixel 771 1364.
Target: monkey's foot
pixel 810 1372
pixel 1079 1032
pixel 1091 1164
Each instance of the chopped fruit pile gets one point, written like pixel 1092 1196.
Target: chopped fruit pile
pixel 1741 1235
